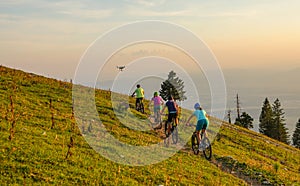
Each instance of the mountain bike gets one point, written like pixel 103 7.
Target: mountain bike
pixel 156 120
pixel 205 145
pixel 171 131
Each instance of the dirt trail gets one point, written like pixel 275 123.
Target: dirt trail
pixel 218 163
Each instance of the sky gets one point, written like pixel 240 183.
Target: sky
pixel 248 38
pixel 49 37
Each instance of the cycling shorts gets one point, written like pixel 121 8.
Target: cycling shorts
pixel 171 116
pixel 138 100
pixel 201 124
pixel 157 108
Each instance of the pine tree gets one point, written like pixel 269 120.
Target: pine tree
pixel 280 130
pixel 296 135
pixel 265 119
pixel 173 86
pixel 245 121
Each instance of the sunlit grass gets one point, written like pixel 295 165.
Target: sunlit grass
pixel 37 153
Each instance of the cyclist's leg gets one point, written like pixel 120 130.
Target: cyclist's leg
pixel 141 105
pixel 159 114
pixel 198 128
pixel 203 131
pixel 169 121
pixel 205 123
pixel 141 102
pixel 173 121
pixel 156 114
pixel 136 103
pixel 176 119
pixel 198 136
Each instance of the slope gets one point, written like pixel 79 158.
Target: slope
pixel 47 147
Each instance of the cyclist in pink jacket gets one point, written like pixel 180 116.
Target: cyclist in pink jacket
pixel 158 102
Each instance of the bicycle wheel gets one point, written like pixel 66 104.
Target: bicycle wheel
pixel 175 135
pixel 167 141
pixel 195 143
pixel 137 107
pixel 142 107
pixel 158 117
pixel 167 133
pixel 207 151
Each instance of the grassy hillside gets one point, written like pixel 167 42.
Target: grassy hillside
pixel 47 147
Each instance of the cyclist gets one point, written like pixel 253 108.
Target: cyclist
pixel 202 121
pixel 158 102
pixel 172 111
pixel 139 92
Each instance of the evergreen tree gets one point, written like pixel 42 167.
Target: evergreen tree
pixel 296 135
pixel 245 121
pixel 280 130
pixel 172 86
pixel 265 119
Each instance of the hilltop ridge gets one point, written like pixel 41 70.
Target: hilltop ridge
pixel 48 148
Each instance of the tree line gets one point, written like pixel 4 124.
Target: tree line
pixel 271 122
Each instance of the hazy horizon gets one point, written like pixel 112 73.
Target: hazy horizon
pixel 50 37
pixel 256 43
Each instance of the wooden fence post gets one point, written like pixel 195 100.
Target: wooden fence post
pixel 52 114
pixel 13 119
pixel 70 145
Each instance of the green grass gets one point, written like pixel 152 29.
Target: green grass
pixel 37 154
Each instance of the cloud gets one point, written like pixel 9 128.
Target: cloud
pixel 47 9
pixel 9 21
pixel 81 10
pixel 133 11
pixel 12 2
pixel 230 14
pixel 94 14
pixel 146 3
pixel 161 8
pixel 150 13
pixel 5 18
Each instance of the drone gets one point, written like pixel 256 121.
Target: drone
pixel 121 68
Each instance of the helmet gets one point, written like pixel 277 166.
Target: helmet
pixel 155 93
pixel 197 105
pixel 138 85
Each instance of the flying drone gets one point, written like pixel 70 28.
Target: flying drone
pixel 121 68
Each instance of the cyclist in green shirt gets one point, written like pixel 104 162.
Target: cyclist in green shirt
pixel 139 94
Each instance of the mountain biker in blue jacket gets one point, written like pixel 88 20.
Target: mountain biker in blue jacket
pixel 172 110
